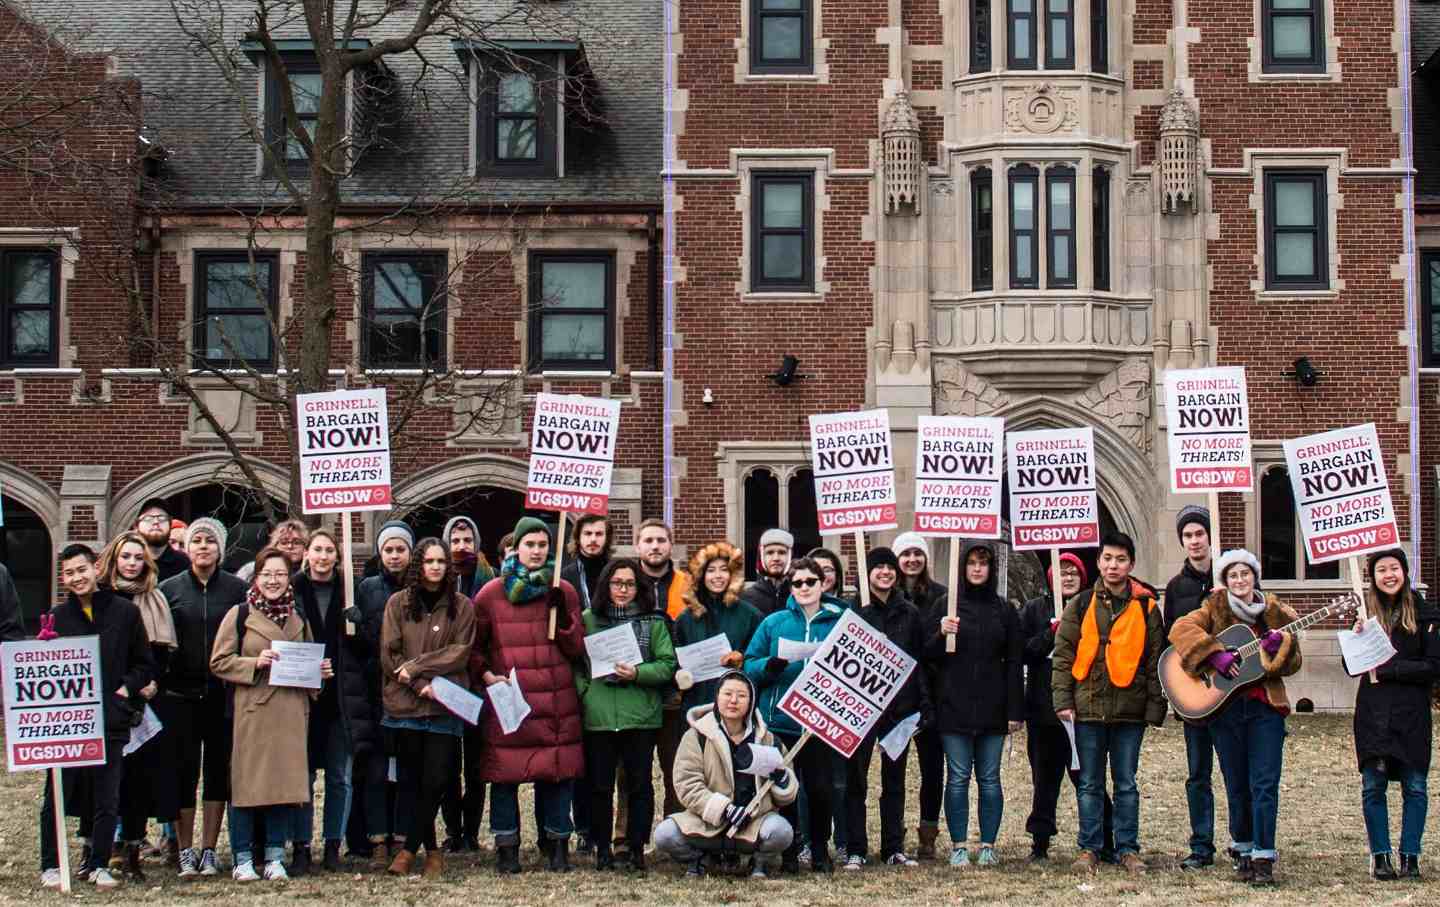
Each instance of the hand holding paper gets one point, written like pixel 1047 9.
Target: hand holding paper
pixel 1366 650
pixel 610 647
pixel 795 650
pixel 763 760
pixel 457 699
pixel 894 743
pixel 509 703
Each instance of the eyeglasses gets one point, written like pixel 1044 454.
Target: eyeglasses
pixel 622 584
pixel 274 577
pixel 805 583
pixel 154 518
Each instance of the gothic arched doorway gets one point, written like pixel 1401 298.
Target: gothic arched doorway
pixel 26 550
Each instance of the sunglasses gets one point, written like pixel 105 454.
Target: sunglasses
pixel 804 583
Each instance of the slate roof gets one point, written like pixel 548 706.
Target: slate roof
pixel 192 111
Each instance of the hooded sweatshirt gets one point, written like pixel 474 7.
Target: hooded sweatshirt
pixel 979 687
pixel 472 574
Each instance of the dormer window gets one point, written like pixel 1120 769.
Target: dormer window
pixel 302 72
pixel 305 86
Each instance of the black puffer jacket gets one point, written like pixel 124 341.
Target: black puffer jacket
pixel 346 698
pixel 197 610
pixel 1184 593
pixel 979 688
pixel 370 597
pixel 124 653
pixel 766 597
pixel 1392 716
pixel 902 624
pixel 1035 620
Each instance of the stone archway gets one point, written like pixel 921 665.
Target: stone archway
pixel 190 472
pixel 30 490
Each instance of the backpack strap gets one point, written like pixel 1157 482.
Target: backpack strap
pixel 242 614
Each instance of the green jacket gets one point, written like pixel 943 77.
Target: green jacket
pixel 612 705
pixel 1095 698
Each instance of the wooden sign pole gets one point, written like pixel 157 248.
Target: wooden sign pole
pixel 864 579
pixel 1056 594
pixel 559 558
pixel 957 585
pixel 347 562
pixel 1214 537
pixel 765 788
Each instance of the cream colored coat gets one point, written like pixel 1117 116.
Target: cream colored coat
pixel 269 765
pixel 704 778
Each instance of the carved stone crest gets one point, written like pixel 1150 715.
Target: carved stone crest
pixel 1041 110
pixel 959 392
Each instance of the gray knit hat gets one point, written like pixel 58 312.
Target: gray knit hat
pixel 394 529
pixel 208 524
pixel 1192 513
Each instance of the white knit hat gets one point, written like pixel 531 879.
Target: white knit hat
pixel 1236 556
pixel 208 524
pixel 907 540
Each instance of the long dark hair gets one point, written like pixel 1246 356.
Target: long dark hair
pixel 414 580
pixel 600 603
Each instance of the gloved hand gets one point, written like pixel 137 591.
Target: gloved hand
pixel 1272 641
pixel 1054 625
pixel 47 628
pixel 1223 662
pixel 775 667
pixel 779 775
pixel 353 615
pixel 734 815
pixel 556 599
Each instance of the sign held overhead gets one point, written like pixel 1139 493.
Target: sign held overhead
pixel 1208 411
pixel 957 476
pixel 854 471
pixel 1341 493
pixel 344 450
pixel 1052 488
pixel 572 453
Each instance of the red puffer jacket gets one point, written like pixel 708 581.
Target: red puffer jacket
pixel 547 745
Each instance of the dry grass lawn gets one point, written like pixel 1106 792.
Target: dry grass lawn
pixel 1321 843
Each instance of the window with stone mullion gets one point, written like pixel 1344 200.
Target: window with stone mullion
pixel 1060 228
pixel 1024 184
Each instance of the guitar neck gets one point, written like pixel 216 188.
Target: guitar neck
pixel 1295 626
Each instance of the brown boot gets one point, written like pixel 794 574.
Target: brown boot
pixel 402 864
pixel 1132 864
pixel 927 835
pixel 379 855
pixel 434 865
pixel 1086 863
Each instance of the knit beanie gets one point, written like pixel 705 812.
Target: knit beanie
pixel 1192 513
pixel 206 524
pixel 907 540
pixel 1377 557
pixel 451 523
pixel 1236 556
pixel 1067 557
pixel 528 524
pixel 881 557
pixel 394 529
pixel 777 537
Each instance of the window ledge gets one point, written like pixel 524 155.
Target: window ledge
pixel 801 298
pixel 1295 295
pixel 1430 370
pixel 33 371
pixel 1297 77
pixel 596 374
pixel 763 77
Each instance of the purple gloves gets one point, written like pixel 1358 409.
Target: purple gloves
pixel 1271 642
pixel 47 628
pixel 1223 661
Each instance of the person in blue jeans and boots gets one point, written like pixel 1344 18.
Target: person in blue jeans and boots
pixel 1104 679
pixel 978 698
pixel 1392 714
pixel 1249 730
pixel 1185 592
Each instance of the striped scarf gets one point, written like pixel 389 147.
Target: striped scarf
pixel 523 585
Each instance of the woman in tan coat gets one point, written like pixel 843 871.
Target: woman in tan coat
pixel 269 768
pixel 710 780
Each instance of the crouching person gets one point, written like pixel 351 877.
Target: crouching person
pixel 714 790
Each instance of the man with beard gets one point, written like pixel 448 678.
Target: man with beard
pixel 588 553
pixel 153 524
pixel 770 592
pixel 653 544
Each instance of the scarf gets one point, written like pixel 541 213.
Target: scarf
pixel 522 584
pixel 276 611
pixel 154 611
pixel 1247 612
pixel 640 621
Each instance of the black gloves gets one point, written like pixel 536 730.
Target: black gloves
pixel 353 615
pixel 778 776
pixel 775 667
pixel 556 599
pixel 734 815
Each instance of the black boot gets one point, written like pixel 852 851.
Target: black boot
pixel 559 855
pixel 1264 872
pixel 1039 849
pixel 507 859
pixel 696 867
pixel 1410 866
pixel 332 856
pixel 300 865
pixel 1244 868
pixel 637 859
pixel 132 862
pixel 604 857
pixel 1382 869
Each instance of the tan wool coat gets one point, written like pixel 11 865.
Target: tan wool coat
pixel 704 778
pixel 426 649
pixel 1194 639
pixel 269 765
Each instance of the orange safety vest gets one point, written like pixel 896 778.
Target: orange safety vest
pixel 675 601
pixel 1126 644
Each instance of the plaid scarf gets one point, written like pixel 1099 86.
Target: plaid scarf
pixel 276 611
pixel 523 585
pixel 640 619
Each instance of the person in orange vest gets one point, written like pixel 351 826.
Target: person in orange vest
pixel 1105 681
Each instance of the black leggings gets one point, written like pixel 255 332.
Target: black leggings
pixel 815 766
pixel 634 750
pixel 425 761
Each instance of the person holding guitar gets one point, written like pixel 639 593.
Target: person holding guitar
pixel 1249 730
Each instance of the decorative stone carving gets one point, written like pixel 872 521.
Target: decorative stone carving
pixel 1042 110
pixel 1122 398
pixel 942 188
pixel 1179 155
pixel 959 392
pixel 903 162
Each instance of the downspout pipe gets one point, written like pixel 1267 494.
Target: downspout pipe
pixel 1412 319
pixel 671 75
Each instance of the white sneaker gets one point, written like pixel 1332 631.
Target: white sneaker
pixel 189 863
pixel 959 856
pixel 900 859
pixel 50 878
pixel 244 872
pixel 209 863
pixel 275 872
pixel 854 863
pixel 804 856
pixel 103 879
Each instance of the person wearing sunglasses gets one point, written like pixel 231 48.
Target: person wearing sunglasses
pixel 804 619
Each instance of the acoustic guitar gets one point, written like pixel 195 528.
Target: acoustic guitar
pixel 1196 698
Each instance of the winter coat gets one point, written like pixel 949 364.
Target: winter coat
pixel 345 699
pixel 370 597
pixel 1392 714
pixel 584 582
pixel 705 778
pixel 705 616
pixel 197 610
pixel 125 658
pixel 611 704
pixel 904 625
pixel 979 688
pixel 1185 592
pixel 1095 698
pixel 1194 641
pixel 1039 642
pixel 934 594
pixel 548 744
pixel 12 623
pixel 766 597
pixel 792 624
pixel 433 647
pixel 269 763
pixel 172 563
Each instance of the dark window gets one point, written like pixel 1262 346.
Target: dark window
pixel 30 300
pixel 1060 228
pixel 404 310
pixel 517 135
pixel 1282 550
pixel 782 252
pixel 1430 309
pixel 1024 217
pixel 1020 34
pixel 572 310
pixel 803 518
pixel 762 511
pixel 1059 34
pixel 1294 36
pixel 235 296
pixel 1100 218
pixel 980 35
pixel 982 229
pixel 305 85
pixel 1099 35
pixel 780 36
pixel 1295 237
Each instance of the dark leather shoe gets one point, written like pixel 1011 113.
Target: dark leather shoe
pixel 331 863
pixel 507 859
pixel 1244 869
pixel 559 855
pixel 1382 869
pixel 1197 861
pixel 1410 866
pixel 300 865
pixel 1264 872
pixel 604 858
pixel 1039 850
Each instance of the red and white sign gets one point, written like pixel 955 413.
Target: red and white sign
pixel 1052 489
pixel 957 476
pixel 344 450
pixel 54 712
pixel 572 453
pixel 1341 493
pixel 854 471
pixel 1209 430
pixel 847 684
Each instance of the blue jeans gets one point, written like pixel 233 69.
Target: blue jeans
pixel 1199 795
pixel 551 797
pixel 1250 740
pixel 278 820
pixel 980 753
pixel 338 788
pixel 1414 805
pixel 1119 745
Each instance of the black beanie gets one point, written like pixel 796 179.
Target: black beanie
pixel 881 557
pixel 1397 553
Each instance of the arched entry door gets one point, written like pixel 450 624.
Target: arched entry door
pixel 237 507
pixel 26 550
pixel 494 510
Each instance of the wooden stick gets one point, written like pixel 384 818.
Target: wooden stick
pixel 347 578
pixel 765 788
pixel 1055 593
pixel 864 578
pixel 1357 585
pixel 957 585
pixel 1214 536
pixel 559 558
pixel 62 846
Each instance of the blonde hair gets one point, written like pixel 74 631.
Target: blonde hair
pixel 108 566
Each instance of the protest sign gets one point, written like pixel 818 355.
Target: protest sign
pixel 854 471
pixel 1341 493
pixel 845 687
pixel 344 450
pixel 957 476
pixel 1208 414
pixel 54 717
pixel 572 453
pixel 1052 488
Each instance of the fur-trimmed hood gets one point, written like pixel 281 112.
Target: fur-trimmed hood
pixel 731 555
